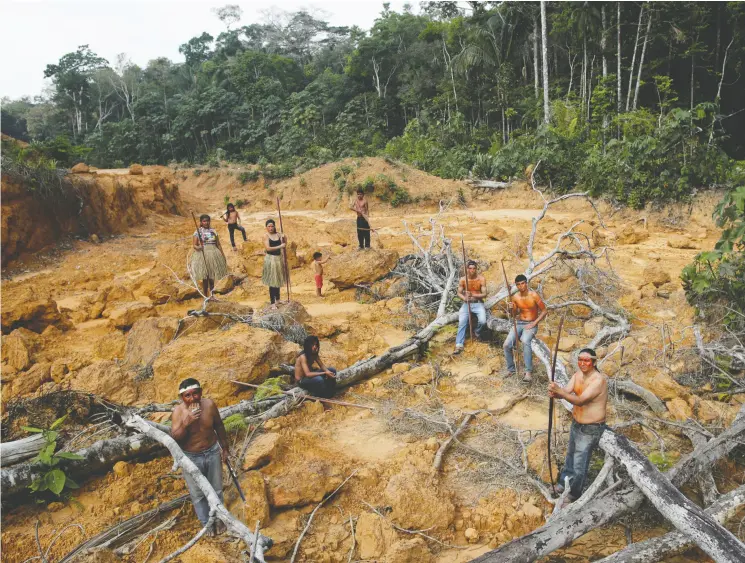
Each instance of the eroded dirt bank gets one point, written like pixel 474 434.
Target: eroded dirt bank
pixel 102 318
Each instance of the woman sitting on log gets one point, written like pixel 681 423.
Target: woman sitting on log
pixel 318 383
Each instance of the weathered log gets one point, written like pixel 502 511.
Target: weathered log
pixel 102 455
pixel 628 386
pixel 674 543
pixel 486 184
pixel 718 542
pixel 18 450
pixel 234 526
pixel 705 480
pixel 568 525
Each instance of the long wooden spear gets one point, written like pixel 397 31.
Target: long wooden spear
pixel 284 252
pixel 551 399
pixel 468 297
pixel 510 312
pixel 201 243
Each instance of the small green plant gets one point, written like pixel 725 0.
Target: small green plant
pixel 269 388
pixel 248 176
pixel 197 172
pixel 226 200
pixel 662 461
pixel 239 203
pixel 303 181
pixel 52 478
pixel 235 423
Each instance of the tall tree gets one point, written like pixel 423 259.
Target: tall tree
pixel 544 52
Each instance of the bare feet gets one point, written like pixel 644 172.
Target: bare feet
pixel 528 377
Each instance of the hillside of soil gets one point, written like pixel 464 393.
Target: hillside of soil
pixel 111 319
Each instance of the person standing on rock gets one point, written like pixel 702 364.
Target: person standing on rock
pixel 472 290
pixel 587 390
pixel 530 310
pixel 359 205
pixel 208 262
pixel 273 274
pixel 199 430
pixel 233 219
pixel 318 383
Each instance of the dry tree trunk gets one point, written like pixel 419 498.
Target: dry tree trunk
pixel 18 450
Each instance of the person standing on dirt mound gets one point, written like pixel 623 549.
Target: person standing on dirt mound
pixel 472 290
pixel 273 274
pixel 208 261
pixel 198 429
pixel 530 310
pixel 587 390
pixel 318 383
pixel 359 205
pixel 233 219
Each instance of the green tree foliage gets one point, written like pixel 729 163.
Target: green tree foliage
pixel 450 90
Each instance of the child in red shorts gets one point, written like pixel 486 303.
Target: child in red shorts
pixel 318 271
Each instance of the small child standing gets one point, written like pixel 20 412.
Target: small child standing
pixel 318 271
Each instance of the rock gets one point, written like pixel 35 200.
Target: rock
pixel 432 444
pixel 681 242
pixel 252 258
pixel 568 343
pixel 110 346
pixel 107 379
pixel 417 501
pixel 632 234
pixel 124 315
pixel 29 381
pixel 58 370
pixel 374 536
pixel 257 504
pixel 631 350
pixel 532 511
pixel 136 170
pixel 679 409
pixel 122 469
pixel 709 412
pixel 630 299
pixel 401 367
pixel 472 535
pixel 26 308
pixel 655 275
pixel 241 352
pixel 80 168
pixel 395 304
pixel 260 451
pixel 593 326
pixel 360 266
pixel 659 383
pixel 304 484
pixel 226 284
pixel 537 460
pixel 421 375
pixel 147 337
pixel 603 237
pixel 17 348
pixel 497 233
pixel 412 550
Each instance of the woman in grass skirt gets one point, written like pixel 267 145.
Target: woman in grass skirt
pixel 273 274
pixel 208 261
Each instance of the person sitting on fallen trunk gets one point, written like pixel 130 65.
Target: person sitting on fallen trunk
pixel 587 390
pixel 198 429
pixel 318 383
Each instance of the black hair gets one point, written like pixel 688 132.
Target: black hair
pixel 520 278
pixel 472 263
pixel 229 206
pixel 270 221
pixel 591 352
pixel 188 383
pixel 317 255
pixel 203 217
pixel 308 344
pixel 361 190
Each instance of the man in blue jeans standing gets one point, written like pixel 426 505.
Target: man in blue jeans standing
pixel 587 390
pixel 472 291
pixel 530 310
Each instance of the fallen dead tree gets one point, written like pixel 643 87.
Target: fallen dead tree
pixel 18 450
pixel 567 526
pixel 102 455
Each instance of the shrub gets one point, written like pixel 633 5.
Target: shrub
pixel 235 423
pixel 270 388
pixel 248 176
pixel 239 203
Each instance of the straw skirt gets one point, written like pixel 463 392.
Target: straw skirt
pixel 273 273
pixel 216 267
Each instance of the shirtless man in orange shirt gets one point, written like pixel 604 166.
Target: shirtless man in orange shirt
pixel 587 390
pixel 529 309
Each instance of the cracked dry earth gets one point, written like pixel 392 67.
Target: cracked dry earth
pixel 118 297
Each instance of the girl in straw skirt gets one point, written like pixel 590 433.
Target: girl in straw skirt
pixel 273 274
pixel 208 260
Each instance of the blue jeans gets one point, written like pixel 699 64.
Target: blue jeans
pixel 320 385
pixel 583 439
pixel 480 312
pixel 209 463
pixel 526 335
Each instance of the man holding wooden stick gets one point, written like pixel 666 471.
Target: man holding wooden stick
pixel 587 390
pixel 359 206
pixel 530 310
pixel 199 430
pixel 472 290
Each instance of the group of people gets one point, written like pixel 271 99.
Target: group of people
pixel 208 263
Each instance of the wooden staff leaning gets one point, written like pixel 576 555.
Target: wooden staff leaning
pixel 465 277
pixel 285 263
pixel 511 313
pixel 551 399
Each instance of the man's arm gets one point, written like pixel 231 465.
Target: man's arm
pixel 324 368
pixel 542 306
pixel 588 395
pixel 461 285
pixel 180 421
pixel 219 427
